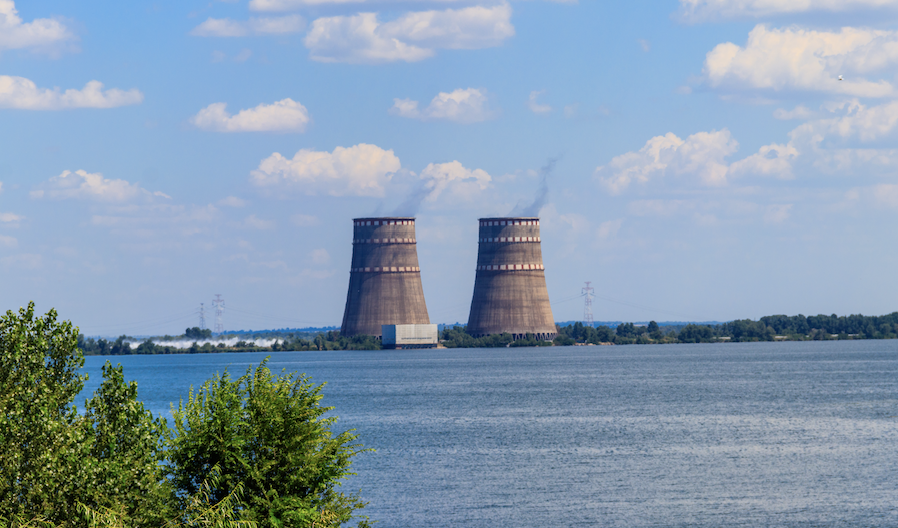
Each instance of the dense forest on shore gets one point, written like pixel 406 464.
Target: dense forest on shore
pixel 768 328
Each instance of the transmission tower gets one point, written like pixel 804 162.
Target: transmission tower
pixel 219 305
pixel 587 303
pixel 202 317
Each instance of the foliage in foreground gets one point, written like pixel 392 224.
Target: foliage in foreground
pixel 251 452
pixel 269 436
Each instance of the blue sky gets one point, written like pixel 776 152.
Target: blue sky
pixel 711 164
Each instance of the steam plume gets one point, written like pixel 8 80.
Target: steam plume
pixel 542 193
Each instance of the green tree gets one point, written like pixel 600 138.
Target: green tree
pixel 42 444
pixel 268 436
pixel 55 461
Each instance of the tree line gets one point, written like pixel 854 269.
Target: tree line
pixel 767 328
pixel 255 451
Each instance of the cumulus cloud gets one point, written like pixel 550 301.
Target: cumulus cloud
pixel 8 241
pixel 700 10
pixel 225 27
pixel 800 59
pixel 361 170
pixel 534 106
pixel 856 121
pixel 232 201
pixel 255 222
pixel 42 34
pixel 90 186
pixel 286 115
pixel 446 183
pixel 770 160
pixel 701 154
pixel 834 144
pixel 464 182
pixel 799 112
pixel 461 106
pixel 23 94
pixel 412 37
pixel 10 218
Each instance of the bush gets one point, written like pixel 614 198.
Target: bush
pixel 256 451
pixel 268 436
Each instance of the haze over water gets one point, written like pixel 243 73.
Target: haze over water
pixel 756 434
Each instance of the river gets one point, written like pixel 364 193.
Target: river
pixel 738 434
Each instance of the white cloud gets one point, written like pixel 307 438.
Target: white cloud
pixel 361 170
pixel 699 10
pixel 795 58
pixel 799 112
pixel 92 186
pixel 770 160
pixel 225 27
pixel 10 217
pixel 8 241
pixel 700 154
pixel 358 39
pixel 412 37
pixel 286 115
pixel 22 93
pixel 645 45
pixel 39 34
pixel 232 201
pixel 534 106
pixel 886 195
pixel 461 106
pixel 464 183
pixel 257 223
pixel 858 121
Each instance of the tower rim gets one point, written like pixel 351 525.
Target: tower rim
pixel 509 218
pixel 365 218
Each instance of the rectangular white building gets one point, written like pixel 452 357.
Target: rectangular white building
pixel 410 336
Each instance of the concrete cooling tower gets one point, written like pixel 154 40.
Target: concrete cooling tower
pixel 510 292
pixel 385 280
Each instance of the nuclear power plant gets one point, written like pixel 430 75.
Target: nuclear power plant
pixel 510 292
pixel 385 280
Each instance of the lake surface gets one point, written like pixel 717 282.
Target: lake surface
pixel 755 434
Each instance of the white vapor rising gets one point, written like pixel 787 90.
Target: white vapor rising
pixel 230 342
pixel 542 194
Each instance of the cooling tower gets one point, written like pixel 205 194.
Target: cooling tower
pixel 385 280
pixel 510 292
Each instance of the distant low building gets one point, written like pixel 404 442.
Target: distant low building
pixel 405 336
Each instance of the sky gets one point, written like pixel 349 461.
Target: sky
pixel 704 159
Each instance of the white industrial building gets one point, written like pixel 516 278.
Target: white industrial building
pixel 403 336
